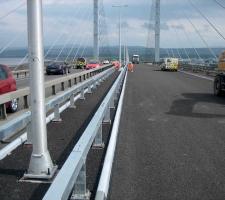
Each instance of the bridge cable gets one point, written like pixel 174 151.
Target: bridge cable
pixel 201 37
pixel 12 11
pixel 220 4
pixel 210 23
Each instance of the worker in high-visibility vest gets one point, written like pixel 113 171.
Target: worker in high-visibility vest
pixel 130 67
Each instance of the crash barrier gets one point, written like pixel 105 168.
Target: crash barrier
pixel 54 105
pixel 69 81
pixel 72 176
pixel 20 74
pixel 205 70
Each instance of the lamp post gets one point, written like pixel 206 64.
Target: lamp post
pixel 120 41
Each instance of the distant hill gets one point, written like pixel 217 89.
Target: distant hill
pixel 146 54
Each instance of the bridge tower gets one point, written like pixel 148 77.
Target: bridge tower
pixel 96 29
pixel 157 30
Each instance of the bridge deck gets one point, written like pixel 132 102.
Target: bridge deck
pixel 172 142
pixel 61 139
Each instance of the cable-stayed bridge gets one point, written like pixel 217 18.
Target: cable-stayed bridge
pixel 111 132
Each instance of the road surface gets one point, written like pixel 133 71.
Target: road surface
pixel 171 143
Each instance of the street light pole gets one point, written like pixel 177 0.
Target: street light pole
pixel 96 29
pixel 157 31
pixel 41 166
pixel 120 35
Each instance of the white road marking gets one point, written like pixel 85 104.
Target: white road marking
pixel 197 75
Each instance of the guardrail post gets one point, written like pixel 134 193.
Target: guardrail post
pixel 112 102
pixel 107 116
pixel 41 166
pixel 57 117
pixel 72 102
pixel 25 99
pixel 89 89
pixel 3 114
pixel 98 142
pixel 94 85
pixel 82 94
pixel 29 134
pixel 80 191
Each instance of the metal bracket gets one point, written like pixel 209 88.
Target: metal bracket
pixel 72 102
pixel 98 143
pixel 89 90
pixel 3 114
pixel 80 191
pixel 57 117
pixel 82 94
pixel 107 116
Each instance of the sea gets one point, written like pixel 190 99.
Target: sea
pixel 12 61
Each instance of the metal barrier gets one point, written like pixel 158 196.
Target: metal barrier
pixel 206 70
pixel 68 81
pixel 21 74
pixel 68 97
pixel 72 176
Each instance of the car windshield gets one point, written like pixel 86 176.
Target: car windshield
pixel 3 73
pixel 81 60
pixel 53 66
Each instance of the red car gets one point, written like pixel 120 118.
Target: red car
pixel 8 84
pixel 92 65
pixel 116 64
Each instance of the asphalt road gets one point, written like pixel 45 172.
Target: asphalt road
pixel 24 82
pixel 171 143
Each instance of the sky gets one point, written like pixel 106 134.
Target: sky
pixel 70 22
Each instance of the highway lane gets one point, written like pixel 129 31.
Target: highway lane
pixel 171 142
pixel 24 82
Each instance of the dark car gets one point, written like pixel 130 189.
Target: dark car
pixel 57 68
pixel 8 84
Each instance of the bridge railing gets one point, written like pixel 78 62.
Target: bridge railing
pixel 72 176
pixel 207 70
pixel 56 103
pixel 63 82
pixel 21 74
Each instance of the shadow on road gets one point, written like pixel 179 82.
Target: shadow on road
pixel 185 107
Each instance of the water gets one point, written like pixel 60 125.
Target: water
pixel 12 61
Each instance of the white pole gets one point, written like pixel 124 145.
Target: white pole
pixel 96 30
pixel 120 41
pixel 41 165
pixel 157 31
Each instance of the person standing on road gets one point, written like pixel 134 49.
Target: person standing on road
pixel 130 67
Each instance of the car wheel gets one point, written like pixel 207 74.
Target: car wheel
pixel 13 106
pixel 217 87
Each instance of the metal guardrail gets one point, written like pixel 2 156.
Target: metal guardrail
pixel 70 80
pixel 21 74
pixel 53 103
pixel 72 176
pixel 206 70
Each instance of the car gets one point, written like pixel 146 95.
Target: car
pixel 92 65
pixel 57 68
pixel 81 63
pixel 105 62
pixel 116 64
pixel 8 84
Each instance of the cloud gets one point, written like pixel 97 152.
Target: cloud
pixel 150 26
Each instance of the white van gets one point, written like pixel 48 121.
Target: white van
pixel 170 64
